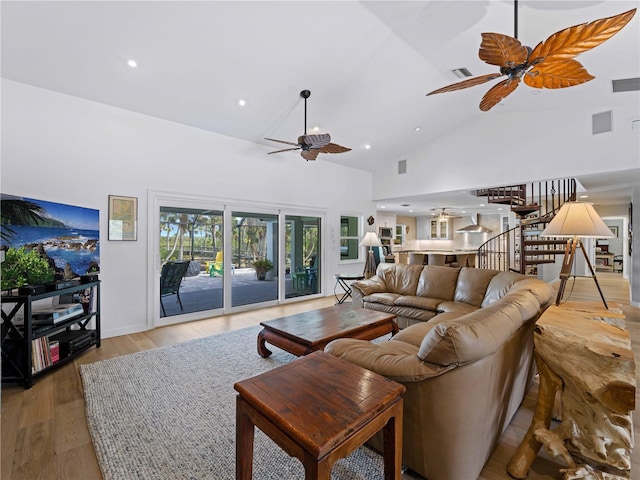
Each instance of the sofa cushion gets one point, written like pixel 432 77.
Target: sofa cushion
pixel 419 302
pixel 384 298
pixel 472 285
pixel 400 278
pixel 407 312
pixel 524 301
pixel 437 282
pixel 543 292
pixel 500 285
pixel 470 337
pixel 459 308
pixel 413 334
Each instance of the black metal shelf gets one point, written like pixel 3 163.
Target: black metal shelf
pixel 17 340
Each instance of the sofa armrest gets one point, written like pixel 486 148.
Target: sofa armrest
pixel 371 285
pixel 356 298
pixel 393 359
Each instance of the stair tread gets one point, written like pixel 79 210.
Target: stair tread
pixel 540 261
pixel 545 242
pixel 543 252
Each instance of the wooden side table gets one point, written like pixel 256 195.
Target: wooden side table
pixel 319 409
pixel 582 351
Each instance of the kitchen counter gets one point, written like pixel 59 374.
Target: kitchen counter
pixel 439 257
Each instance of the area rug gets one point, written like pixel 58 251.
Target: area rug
pixel 169 414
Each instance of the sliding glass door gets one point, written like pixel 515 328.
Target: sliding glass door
pixel 211 258
pixel 302 255
pixel 190 260
pixel 254 258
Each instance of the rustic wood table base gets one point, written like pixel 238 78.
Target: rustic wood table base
pixel 582 351
pixel 307 332
pixel 319 409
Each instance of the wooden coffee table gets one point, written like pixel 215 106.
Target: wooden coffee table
pixel 307 332
pixel 319 409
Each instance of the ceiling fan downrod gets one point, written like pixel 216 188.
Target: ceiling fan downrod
pixel 305 94
pixel 515 19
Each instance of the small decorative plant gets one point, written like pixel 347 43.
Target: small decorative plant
pixel 262 266
pixel 24 267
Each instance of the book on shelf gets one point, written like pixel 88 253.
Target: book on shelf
pixel 52 314
pixel 54 351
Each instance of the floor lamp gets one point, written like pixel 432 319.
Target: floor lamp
pixel 370 240
pixel 576 219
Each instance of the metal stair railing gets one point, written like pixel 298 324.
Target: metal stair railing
pixel 521 248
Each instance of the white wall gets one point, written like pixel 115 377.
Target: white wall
pixel 509 148
pixel 69 150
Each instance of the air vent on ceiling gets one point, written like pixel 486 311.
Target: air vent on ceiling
pixel 601 123
pixel 626 85
pixel 461 72
pixel 402 167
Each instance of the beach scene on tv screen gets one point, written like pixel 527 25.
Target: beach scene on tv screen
pixel 69 235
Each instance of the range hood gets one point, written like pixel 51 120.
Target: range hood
pixel 473 227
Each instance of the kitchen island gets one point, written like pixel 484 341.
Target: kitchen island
pixel 455 258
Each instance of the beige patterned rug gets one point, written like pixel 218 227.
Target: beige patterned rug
pixel 169 414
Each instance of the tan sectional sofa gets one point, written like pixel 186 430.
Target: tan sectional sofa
pixel 465 358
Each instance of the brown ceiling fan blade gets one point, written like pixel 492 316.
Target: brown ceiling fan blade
pixel 497 93
pixel 282 141
pixel 471 82
pixel 310 154
pixel 285 150
pixel 502 50
pixel 333 148
pixel 315 140
pixel 565 73
pixel 574 40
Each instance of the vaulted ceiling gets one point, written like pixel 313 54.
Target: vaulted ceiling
pixel 368 66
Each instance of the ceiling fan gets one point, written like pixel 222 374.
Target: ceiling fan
pixel 311 145
pixel 549 65
pixel 443 214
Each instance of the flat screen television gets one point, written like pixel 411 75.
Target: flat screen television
pixel 66 236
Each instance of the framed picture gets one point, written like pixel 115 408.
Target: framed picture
pixel 614 230
pixel 123 218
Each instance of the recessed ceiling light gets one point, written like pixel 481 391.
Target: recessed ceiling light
pixel 367 147
pixel 383 206
pixel 316 129
pixel 417 129
pixel 584 196
pixel 410 211
pixel 481 205
pixel 242 102
pixel 132 63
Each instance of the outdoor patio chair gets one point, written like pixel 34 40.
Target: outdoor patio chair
pixel 300 278
pixel 170 280
pixel 217 267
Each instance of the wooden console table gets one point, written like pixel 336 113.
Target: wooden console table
pixel 582 351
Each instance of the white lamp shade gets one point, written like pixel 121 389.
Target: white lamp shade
pixel 370 240
pixel 577 219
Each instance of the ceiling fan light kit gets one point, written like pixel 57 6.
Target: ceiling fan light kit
pixel 550 64
pixel 311 145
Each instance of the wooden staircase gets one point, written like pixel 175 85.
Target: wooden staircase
pixel 521 249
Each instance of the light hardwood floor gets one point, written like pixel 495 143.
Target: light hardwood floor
pixel 44 431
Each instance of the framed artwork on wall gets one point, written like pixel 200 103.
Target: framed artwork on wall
pixel 123 218
pixel 614 230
